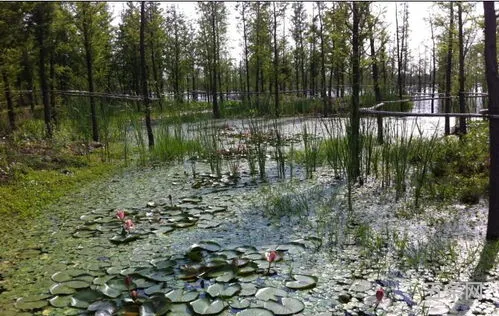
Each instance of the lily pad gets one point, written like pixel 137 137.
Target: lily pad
pixel 154 289
pixel 76 284
pixel 255 312
pixel 204 306
pixel 109 291
pixel 60 301
pixel 285 306
pixel 33 305
pixel 179 310
pixel 247 289
pixel 120 239
pixel 210 246
pixel 239 303
pixel 103 306
pixel 270 294
pixel 58 289
pixel 61 276
pixel 222 290
pixel 182 296
pixel 155 275
pixel 302 282
pixel 103 279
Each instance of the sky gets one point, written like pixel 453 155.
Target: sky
pixel 419 29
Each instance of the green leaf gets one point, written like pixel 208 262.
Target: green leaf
pixel 302 282
pixel 270 294
pixel 223 290
pixel 204 306
pixel 182 296
pixel 285 306
pixel 255 312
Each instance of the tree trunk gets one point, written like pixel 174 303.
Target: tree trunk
pixel 327 107
pixel 216 107
pixel 354 114
pixel 143 73
pixel 399 56
pixel 434 70
pixel 47 110
pixel 448 71
pixel 90 79
pixel 246 54
pixel 493 91
pixel 52 88
pixel 462 105
pixel 276 65
pixel 8 98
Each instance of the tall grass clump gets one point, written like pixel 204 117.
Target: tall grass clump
pixel 172 145
pixel 278 149
pixel 312 144
pixel 258 139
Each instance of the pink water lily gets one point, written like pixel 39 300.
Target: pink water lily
pixel 379 295
pixel 128 281
pixel 134 295
pixel 128 225
pixel 120 214
pixel 271 256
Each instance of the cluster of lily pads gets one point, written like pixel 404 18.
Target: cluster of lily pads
pixel 154 219
pixel 206 280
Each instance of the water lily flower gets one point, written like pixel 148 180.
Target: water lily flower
pixel 134 294
pixel 379 295
pixel 271 256
pixel 128 225
pixel 128 281
pixel 120 214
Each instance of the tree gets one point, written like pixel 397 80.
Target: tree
pixel 243 8
pixel 42 19
pixel 462 105
pixel 448 72
pixel 143 75
pixel 11 16
pixel 298 21
pixel 493 88
pixel 213 27
pixel 92 19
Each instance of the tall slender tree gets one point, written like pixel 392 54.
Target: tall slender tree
pixel 490 53
pixel 42 18
pixel 448 70
pixel 143 75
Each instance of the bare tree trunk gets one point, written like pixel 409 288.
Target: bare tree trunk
pixel 448 72
pixel 276 65
pixel 399 55
pixel 143 73
pixel 327 107
pixel 216 107
pixel 462 105
pixel 10 104
pixel 493 91
pixel 434 70
pixel 43 74
pixel 354 114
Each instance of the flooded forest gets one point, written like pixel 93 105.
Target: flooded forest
pixel 249 158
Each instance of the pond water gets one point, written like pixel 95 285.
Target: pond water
pixel 201 241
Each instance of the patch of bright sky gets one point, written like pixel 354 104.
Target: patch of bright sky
pixel 419 29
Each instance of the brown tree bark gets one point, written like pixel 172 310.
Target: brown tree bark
pixel 143 73
pixel 448 71
pixel 493 91
pixel 462 105
pixel 10 104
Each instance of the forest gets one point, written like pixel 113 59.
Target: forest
pixel 249 158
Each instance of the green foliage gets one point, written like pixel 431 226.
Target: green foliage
pixel 172 145
pixel 460 167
